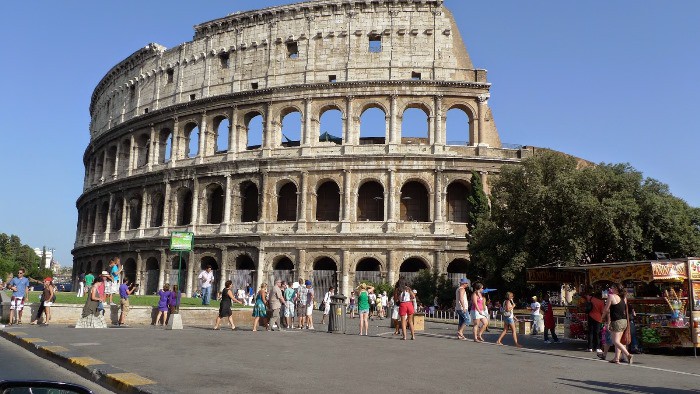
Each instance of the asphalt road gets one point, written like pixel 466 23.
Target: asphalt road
pixel 198 359
pixel 19 364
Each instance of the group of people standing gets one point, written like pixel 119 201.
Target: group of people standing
pixel 608 322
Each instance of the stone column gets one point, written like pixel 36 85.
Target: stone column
pixel 390 267
pixel 195 203
pixel 302 218
pixel 124 223
pixel 482 99
pixel 233 135
pixel 438 135
pixel 203 138
pixel 176 141
pixel 227 203
pixel 302 269
pixel 268 133
pixel 264 204
pixel 345 281
pixel 103 174
pixel 164 265
pixel 390 196
pixel 393 116
pixel 350 137
pixel 132 154
pixel 437 216
pixel 144 208
pixel 166 208
pixel 153 150
pixel 347 203
pixel 306 139
pixel 260 273
pixel 115 173
pixel 223 267
pixel 108 224
pixel 139 272
pixel 191 274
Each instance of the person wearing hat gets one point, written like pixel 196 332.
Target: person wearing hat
pixel 462 307
pixel 536 317
pixel 45 302
pixel 309 305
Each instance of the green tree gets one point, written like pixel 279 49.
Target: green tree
pixel 477 201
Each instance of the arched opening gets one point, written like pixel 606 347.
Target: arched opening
pixel 254 130
pixel 150 279
pixel 283 269
pixel 143 149
pixel 91 221
pixel 457 207
pixel 214 208
pixel 111 161
pixel 458 127
pixel 415 126
pixel 325 275
pixel 104 214
pixel 178 273
pixel 192 140
pixel 184 207
pixel 414 203
pixel 370 202
pixel 157 209
pixel 373 126
pixel 244 274
pixel 368 270
pixel 456 270
pixel 205 262
pixel 409 268
pixel 222 127
pixel 249 202
pixel 291 129
pixel 129 270
pixel 117 214
pixel 287 203
pixel 98 268
pixel 124 155
pixel 328 202
pixel 135 212
pixel 165 145
pixel 98 167
pixel 331 126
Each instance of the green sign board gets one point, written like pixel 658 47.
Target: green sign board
pixel 181 241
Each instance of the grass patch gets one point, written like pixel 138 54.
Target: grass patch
pixel 134 300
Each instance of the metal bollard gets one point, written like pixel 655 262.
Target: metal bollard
pixel 336 319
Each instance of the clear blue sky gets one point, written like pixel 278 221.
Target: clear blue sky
pixel 606 81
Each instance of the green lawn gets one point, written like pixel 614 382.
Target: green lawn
pixel 144 300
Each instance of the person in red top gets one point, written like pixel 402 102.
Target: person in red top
pixel 594 306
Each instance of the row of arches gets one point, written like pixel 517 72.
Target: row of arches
pixel 244 271
pixel 158 208
pixel 209 135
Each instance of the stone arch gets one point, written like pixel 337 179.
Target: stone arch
pixel 410 267
pixel 183 206
pixel 221 125
pixel 328 201
pixel 98 268
pixel 117 213
pixel 104 214
pixel 290 126
pixel 456 206
pixel 129 269
pixel 459 125
pixel 373 119
pixel 250 202
pixel 244 272
pixel 99 160
pixel 325 274
pixel 143 149
pixel 175 276
pixel 111 161
pixel 209 260
pixel 191 137
pixel 254 123
pixel 165 145
pixel 414 202
pixel 150 276
pixel 415 124
pixel 213 204
pixel 124 156
pixel 331 126
pixel 457 269
pixel 370 201
pixel 368 269
pixel 157 209
pixel 135 207
pixel 283 269
pixel 287 202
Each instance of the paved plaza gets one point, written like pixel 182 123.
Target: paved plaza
pixel 198 359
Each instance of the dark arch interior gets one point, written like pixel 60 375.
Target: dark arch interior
pixel 413 265
pixel 325 263
pixel 245 262
pixel 368 264
pixel 284 264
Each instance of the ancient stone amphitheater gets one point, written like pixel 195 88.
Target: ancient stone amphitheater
pixel 332 140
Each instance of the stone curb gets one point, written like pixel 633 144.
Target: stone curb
pixel 107 376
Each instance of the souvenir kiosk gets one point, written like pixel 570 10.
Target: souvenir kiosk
pixel 665 295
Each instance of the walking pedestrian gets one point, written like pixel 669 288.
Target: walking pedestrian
pixel 385 305
pixel 395 301
pixel 301 303
pixel 462 307
pixel 206 278
pixel 352 305
pixel 275 303
pixel 372 304
pixel 509 320
pixel 309 305
pixel 327 304
pixel 81 285
pixel 550 323
pixel 379 307
pixel 89 279
pixel 535 315
pixel 260 308
pixel 594 307
pixel 91 316
pixel 115 268
pixel 478 313
pixel 615 312
pixel 250 292
pixel 125 290
pixel 363 306
pixel 18 285
pixel 164 295
pixel 227 299
pixel 290 294
pixel 406 310
pixel 45 302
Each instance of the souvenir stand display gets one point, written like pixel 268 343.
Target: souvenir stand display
pixel 575 317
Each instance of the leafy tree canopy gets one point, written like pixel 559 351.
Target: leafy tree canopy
pixel 14 255
pixel 553 210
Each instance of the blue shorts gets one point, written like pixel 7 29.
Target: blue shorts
pixel 508 320
pixel 463 317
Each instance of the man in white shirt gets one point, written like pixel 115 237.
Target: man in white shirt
pixel 206 278
pixel 536 317
pixel 327 304
pixel 462 307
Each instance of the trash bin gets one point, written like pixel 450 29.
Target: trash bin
pixel 336 318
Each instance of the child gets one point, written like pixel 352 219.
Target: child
pixel 174 300
pixel 163 304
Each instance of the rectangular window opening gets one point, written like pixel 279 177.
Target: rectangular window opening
pixel 415 76
pixel 254 85
pixel 292 50
pixel 224 60
pixel 332 79
pixel 375 44
pixel 145 110
pixel 170 73
pixel 193 97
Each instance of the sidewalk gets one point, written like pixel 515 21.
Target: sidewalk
pixel 196 359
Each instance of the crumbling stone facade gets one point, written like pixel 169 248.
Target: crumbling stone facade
pixel 197 138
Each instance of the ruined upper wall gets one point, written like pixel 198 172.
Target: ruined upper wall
pixel 305 43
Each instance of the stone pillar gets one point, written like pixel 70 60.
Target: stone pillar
pixel 390 196
pixel 306 139
pixel 166 208
pixel 302 269
pixel 195 203
pixel 176 142
pixel 132 154
pixel 223 267
pixel 438 134
pixel 164 265
pixel 302 218
pixel 124 222
pixel 482 99
pixel 437 215
pixel 103 174
pixel 233 135
pixel 227 202
pixel 345 281
pixel 191 274
pixel 139 271
pixel 264 204
pixel 347 202
pixel 350 137
pixel 153 149
pixel 144 208
pixel 390 267
pixel 260 273
pixel 268 133
pixel 393 116
pixel 108 224
pixel 115 173
pixel 203 138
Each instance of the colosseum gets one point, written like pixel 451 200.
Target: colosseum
pixel 331 139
